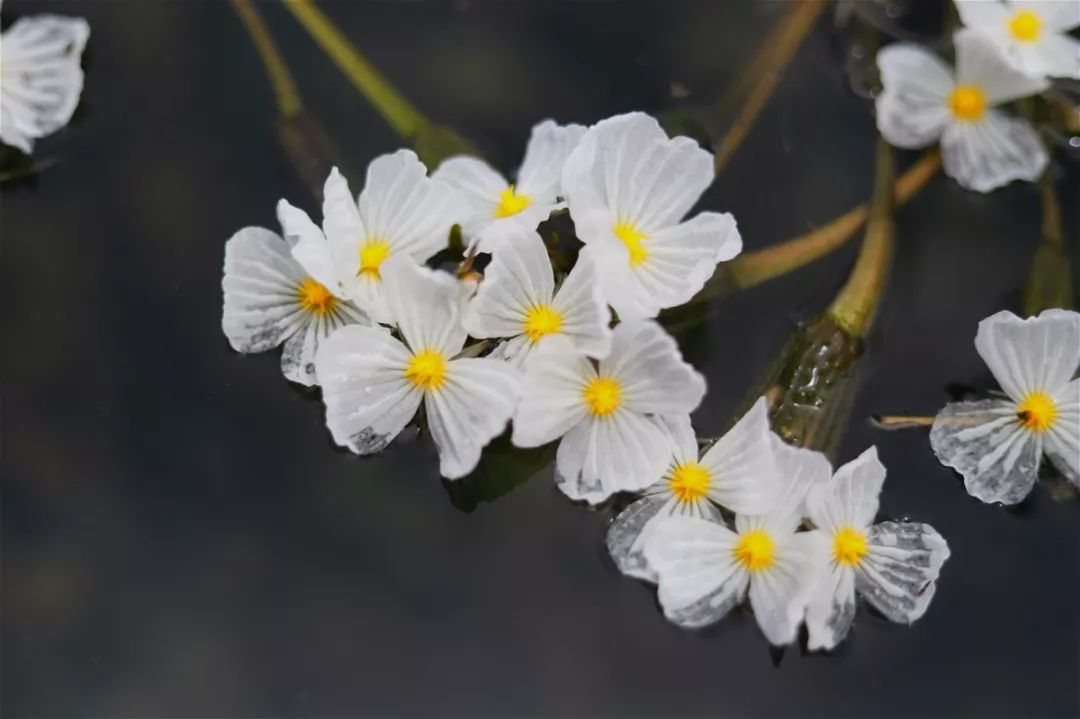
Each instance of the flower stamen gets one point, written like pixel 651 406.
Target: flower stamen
pixel 755 550
pixel 849 546
pixel 1025 26
pixel 634 239
pixel 967 103
pixel 373 252
pixel 511 203
pixel 689 481
pixel 1037 412
pixel 541 320
pixel 314 297
pixel 602 396
pixel 427 370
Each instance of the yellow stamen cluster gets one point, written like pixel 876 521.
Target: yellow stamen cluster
pixel 849 546
pixel 427 370
pixel 602 396
pixel 511 203
pixel 967 103
pixel 755 550
pixel 1037 412
pixel 541 320
pixel 373 252
pixel 634 239
pixel 689 481
pixel 314 297
pixel 1025 26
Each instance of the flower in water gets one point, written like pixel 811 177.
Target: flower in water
pixel 517 299
pixel 738 472
pixel 628 187
pixel 893 565
pixel 373 383
pixel 498 207
pixel 401 212
pixel 601 411
pixel 1032 36
pixel 704 569
pixel 997 444
pixel 40 76
pixel 274 296
pixel 922 102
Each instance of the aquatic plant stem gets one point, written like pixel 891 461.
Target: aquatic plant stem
pixel 763 74
pixel 854 307
pixel 1049 282
pixel 398 112
pixel 281 80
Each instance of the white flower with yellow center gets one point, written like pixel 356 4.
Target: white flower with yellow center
pixel 373 383
pixel 497 206
pixel 1031 34
pixel 602 410
pixel 629 187
pixel 40 76
pixel 893 565
pixel 997 444
pixel 704 569
pixel 274 296
pixel 400 212
pixel 517 299
pixel 738 472
pixel 921 103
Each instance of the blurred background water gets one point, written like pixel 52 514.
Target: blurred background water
pixel 180 538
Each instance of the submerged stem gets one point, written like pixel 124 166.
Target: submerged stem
pixel 1049 282
pixel 281 80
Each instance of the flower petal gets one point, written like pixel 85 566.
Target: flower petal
pixel 368 400
pixel 912 109
pixel 426 305
pixel 850 497
pixel 831 610
pixel 298 353
pixel 982 14
pixel 897 576
pixel 742 465
pixel 980 63
pixel 699 579
pixel 648 365
pixel 1055 15
pixel 551 401
pixel 586 319
pixel 992 152
pixel 1053 55
pixel 1062 444
pixel 681 436
pixel 541 170
pixel 308 246
pixel 261 280
pixel 780 593
pixel 1037 354
pixel 469 410
pixel 628 534
pixel 342 226
pixel 799 469
pixel 518 278
pixel 983 441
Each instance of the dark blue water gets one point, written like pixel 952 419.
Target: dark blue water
pixel 180 538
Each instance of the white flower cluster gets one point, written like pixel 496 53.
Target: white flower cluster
pixel 1006 51
pixel 40 76
pixel 715 529
pixel 361 315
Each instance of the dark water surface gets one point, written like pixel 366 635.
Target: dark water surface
pixel 180 539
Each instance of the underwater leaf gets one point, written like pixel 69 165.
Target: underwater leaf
pixel 502 469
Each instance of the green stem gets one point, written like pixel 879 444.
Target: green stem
pixel 281 80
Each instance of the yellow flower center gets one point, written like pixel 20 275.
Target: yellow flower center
pixel 755 550
pixel 373 253
pixel 849 546
pixel 689 481
pixel 511 203
pixel 427 370
pixel 314 297
pixel 634 239
pixel 602 396
pixel 1025 26
pixel 1037 412
pixel 541 320
pixel 967 103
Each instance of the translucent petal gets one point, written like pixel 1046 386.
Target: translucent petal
pixel 912 109
pixel 831 610
pixel 780 593
pixel 628 534
pixel 551 401
pixel 898 574
pixel 742 465
pixel 308 246
pixel 518 278
pixel 850 497
pixel 992 152
pixel 541 170
pixel 1062 444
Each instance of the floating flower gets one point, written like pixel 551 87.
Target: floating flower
pixel 628 187
pixel 997 444
pixel 601 411
pixel 921 102
pixel 705 569
pixel 373 383
pixel 738 472
pixel 496 206
pixel 274 296
pixel 517 299
pixel 401 212
pixel 1032 36
pixel 893 565
pixel 40 76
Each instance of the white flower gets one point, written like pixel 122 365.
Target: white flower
pixel 274 296
pixel 1032 35
pixel 496 206
pixel 997 444
pixel 517 299
pixel 738 472
pixel 704 569
pixel 628 187
pixel 922 102
pixel 373 383
pixel 610 442
pixel 40 76
pixel 401 212
pixel 893 565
